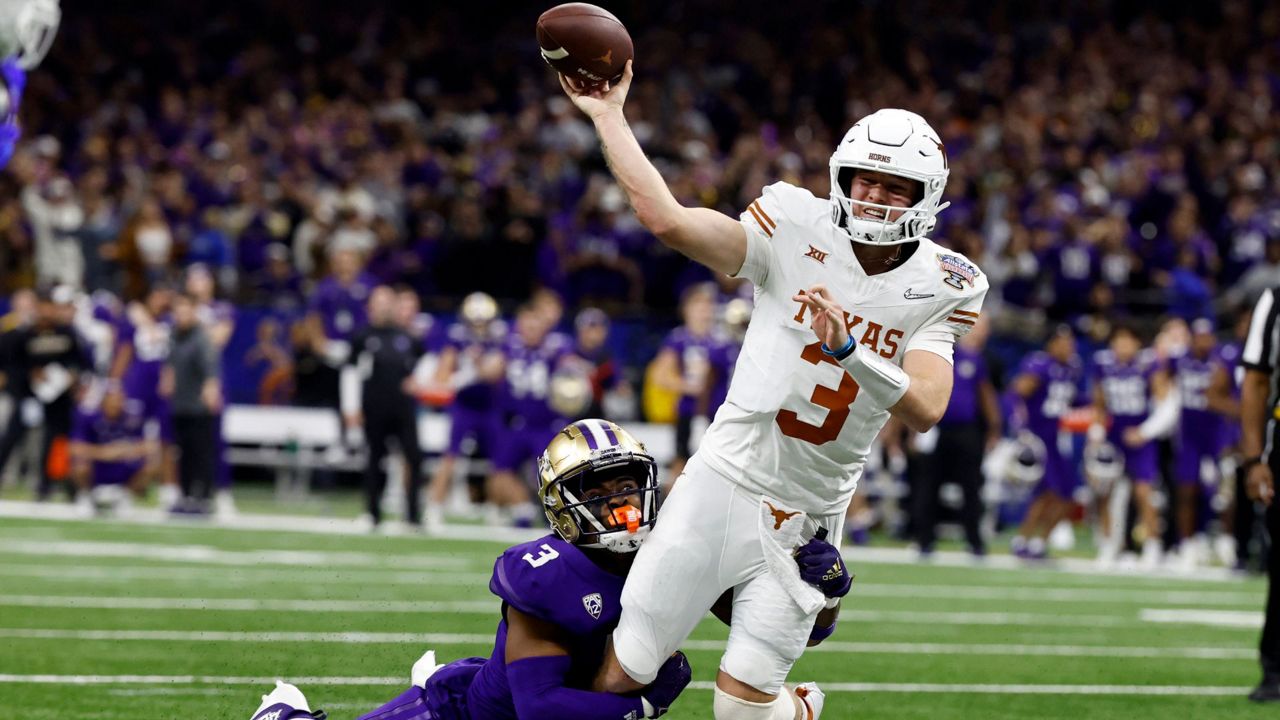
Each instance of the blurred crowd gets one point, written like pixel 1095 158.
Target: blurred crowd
pixel 1108 160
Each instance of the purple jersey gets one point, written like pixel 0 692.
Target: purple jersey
pixel 471 345
pixel 698 356
pixel 1228 358
pixel 341 307
pixel 528 380
pixel 1126 387
pixel 1193 376
pixel 553 581
pixel 149 341
pixel 95 428
pixel 970 370
pixel 1055 394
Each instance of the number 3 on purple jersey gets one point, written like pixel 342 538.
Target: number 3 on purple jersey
pixel 547 554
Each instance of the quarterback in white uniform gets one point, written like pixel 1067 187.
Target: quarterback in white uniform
pixel 856 313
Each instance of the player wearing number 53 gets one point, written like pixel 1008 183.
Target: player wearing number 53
pixel 856 314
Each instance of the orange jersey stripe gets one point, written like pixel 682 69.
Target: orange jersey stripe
pixel 964 313
pixel 764 214
pixel 962 321
pixel 752 209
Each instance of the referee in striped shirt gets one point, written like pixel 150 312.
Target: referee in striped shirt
pixel 1260 420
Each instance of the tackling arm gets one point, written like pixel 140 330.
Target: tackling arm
pixel 703 235
pixel 537 664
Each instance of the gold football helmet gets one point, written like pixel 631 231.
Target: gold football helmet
pixel 599 486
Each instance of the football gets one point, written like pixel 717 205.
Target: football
pixel 584 42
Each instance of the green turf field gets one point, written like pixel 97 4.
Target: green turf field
pixel 165 621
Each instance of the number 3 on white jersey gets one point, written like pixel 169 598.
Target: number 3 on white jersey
pixel 547 554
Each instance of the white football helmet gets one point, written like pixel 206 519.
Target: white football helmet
pixel 1026 461
pixel 1103 465
pixel 27 28
pixel 897 142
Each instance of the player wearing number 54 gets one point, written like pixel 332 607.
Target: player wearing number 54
pixel 856 314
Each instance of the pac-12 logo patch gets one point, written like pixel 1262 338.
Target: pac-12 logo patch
pixel 958 271
pixel 594 604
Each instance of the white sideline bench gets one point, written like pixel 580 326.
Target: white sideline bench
pixel 294 441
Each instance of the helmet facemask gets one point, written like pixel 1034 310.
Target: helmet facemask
pixel 610 502
pixel 913 222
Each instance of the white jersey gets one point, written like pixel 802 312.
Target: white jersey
pixel 794 426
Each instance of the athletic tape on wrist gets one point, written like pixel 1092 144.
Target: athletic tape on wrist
pixel 885 382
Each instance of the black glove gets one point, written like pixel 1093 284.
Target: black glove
pixel 822 566
pixel 672 678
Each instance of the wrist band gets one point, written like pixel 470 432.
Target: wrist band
pixel 842 352
pixel 821 633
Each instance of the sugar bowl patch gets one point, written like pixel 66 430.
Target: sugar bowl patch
pixel 957 270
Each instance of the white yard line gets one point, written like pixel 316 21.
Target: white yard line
pixel 204 554
pixel 831 646
pixel 255 521
pixel 855 555
pixel 482 607
pixel 1057 594
pixel 485 606
pixel 231 575
pixel 1203 616
pixel 222 576
pixel 981 689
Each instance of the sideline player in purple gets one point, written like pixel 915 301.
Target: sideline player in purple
pixel 1201 434
pixel 1048 384
pixel 561 597
pixel 109 448
pixel 142 348
pixel 471 364
pixel 338 300
pixel 695 361
pixel 532 355
pixel 1128 382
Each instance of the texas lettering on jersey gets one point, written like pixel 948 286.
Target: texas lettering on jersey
pixel 794 425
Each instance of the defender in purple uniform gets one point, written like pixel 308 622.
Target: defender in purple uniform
pixel 1048 384
pixel 560 601
pixel 470 364
pixel 527 421
pixel 1128 382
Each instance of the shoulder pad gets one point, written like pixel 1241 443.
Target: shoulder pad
pixel 538 578
pixel 782 203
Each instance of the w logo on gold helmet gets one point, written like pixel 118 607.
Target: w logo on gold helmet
pixel 599 486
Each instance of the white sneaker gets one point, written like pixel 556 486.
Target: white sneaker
pixel 1224 546
pixel 1151 552
pixel 283 693
pixel 365 524
pixel 433 519
pixel 84 505
pixel 812 698
pixel 224 505
pixel 167 496
pixel 1108 552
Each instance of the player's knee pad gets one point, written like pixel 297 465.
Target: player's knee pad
pixel 730 707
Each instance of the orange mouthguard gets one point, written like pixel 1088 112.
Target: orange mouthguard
pixel 627 515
